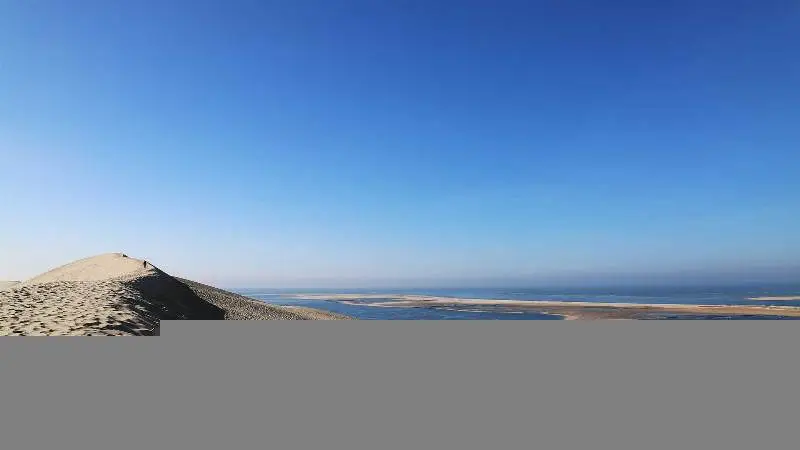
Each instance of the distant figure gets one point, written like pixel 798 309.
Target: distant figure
pixel 144 263
pixel 124 255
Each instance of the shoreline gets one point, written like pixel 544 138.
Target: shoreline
pixel 785 298
pixel 568 310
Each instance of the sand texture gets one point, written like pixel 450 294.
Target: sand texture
pixel 113 294
pixel 239 307
pixel 7 284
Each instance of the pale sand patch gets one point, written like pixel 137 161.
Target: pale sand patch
pixel 7 284
pixel 775 299
pixel 113 294
pixel 316 314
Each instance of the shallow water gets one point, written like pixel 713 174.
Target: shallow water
pixel 366 312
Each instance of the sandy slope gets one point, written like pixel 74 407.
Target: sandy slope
pixel 113 294
pixel 239 307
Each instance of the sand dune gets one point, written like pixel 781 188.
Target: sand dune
pixel 113 294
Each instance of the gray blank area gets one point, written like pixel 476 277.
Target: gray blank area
pixel 407 385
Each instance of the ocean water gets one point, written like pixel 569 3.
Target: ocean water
pixel 693 295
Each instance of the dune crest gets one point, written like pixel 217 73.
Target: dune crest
pixel 96 268
pixel 113 294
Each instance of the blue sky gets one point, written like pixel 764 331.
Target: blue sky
pixel 306 143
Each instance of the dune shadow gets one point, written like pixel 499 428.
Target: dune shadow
pixel 169 299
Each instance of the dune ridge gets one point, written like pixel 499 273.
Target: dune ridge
pixel 113 294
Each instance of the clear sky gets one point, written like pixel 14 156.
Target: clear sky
pixel 415 142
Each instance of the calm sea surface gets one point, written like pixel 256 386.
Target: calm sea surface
pixel 708 295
